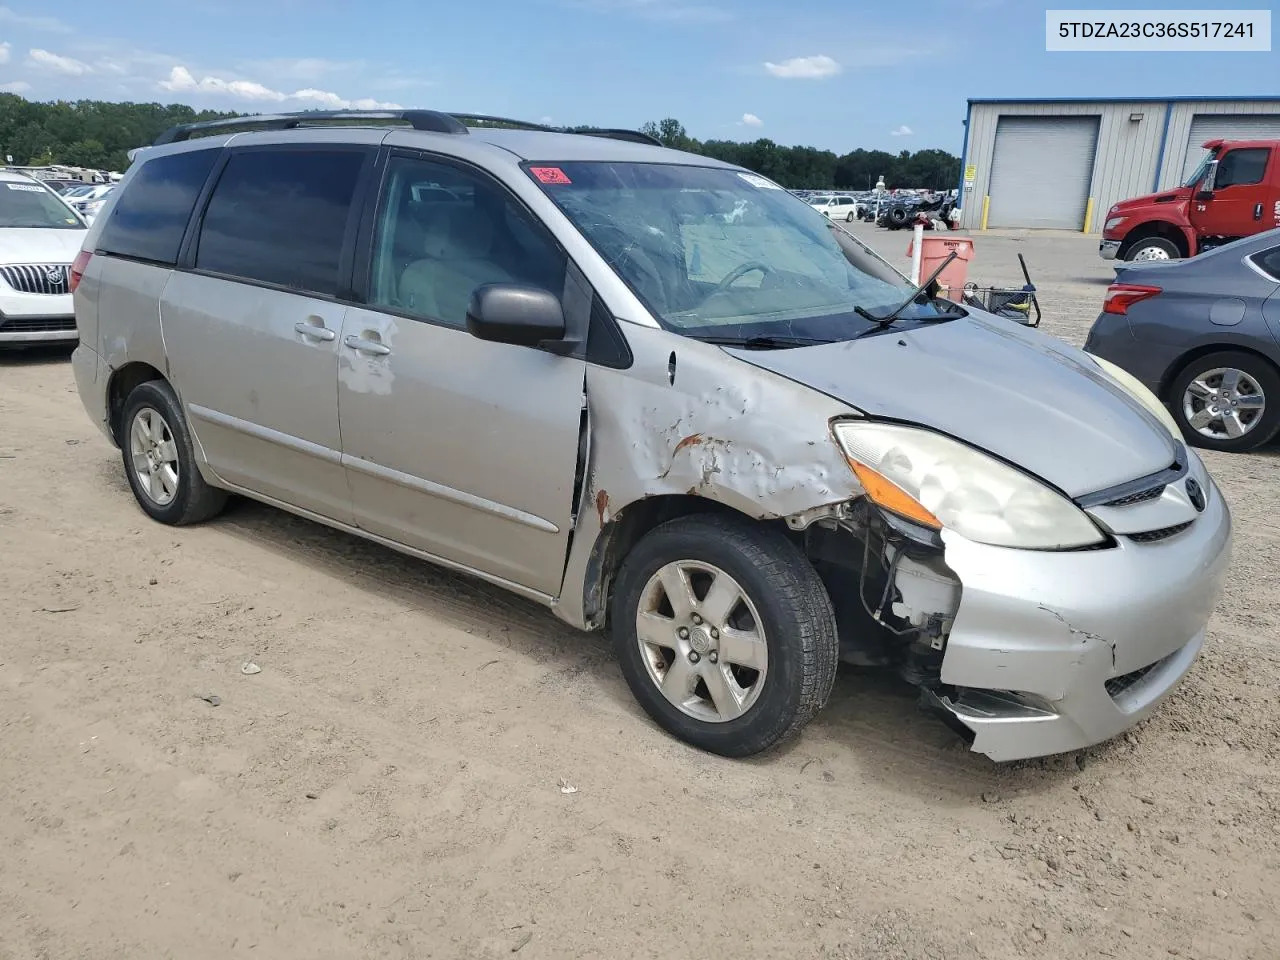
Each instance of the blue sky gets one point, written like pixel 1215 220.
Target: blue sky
pixel 836 75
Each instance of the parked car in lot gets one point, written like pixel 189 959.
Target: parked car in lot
pixel 1234 193
pixel 840 207
pixel 749 449
pixel 1204 335
pixel 39 238
pixel 89 202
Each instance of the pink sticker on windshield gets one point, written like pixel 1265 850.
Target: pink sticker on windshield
pixel 549 175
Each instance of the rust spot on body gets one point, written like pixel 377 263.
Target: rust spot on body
pixel 688 441
pixel 602 507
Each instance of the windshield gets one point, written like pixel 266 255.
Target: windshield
pixel 716 252
pixel 1204 165
pixel 31 205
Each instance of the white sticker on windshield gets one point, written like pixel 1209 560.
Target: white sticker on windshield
pixel 28 187
pixel 760 182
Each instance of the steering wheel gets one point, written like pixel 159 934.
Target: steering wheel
pixel 736 274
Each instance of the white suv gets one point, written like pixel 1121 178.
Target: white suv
pixel 39 238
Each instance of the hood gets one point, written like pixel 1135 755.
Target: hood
pixel 1014 392
pixel 39 245
pixel 1172 196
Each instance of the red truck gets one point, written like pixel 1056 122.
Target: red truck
pixel 1234 193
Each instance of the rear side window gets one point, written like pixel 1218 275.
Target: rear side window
pixel 151 215
pixel 280 216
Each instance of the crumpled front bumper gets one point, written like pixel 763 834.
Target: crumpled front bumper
pixel 1054 651
pixel 1108 249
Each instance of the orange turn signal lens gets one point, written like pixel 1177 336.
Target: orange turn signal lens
pixel 884 493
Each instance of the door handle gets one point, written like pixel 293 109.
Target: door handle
pixel 366 346
pixel 314 331
pixel 1257 211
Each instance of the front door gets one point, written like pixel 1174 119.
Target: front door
pixel 458 447
pixel 1240 202
pixel 251 324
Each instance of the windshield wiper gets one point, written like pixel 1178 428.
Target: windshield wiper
pixel 764 342
pixel 883 321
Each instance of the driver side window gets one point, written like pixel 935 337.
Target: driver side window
pixel 1241 168
pixel 442 231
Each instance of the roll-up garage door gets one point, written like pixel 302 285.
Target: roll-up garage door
pixel 1041 170
pixel 1226 126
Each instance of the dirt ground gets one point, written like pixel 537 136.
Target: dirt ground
pixel 389 785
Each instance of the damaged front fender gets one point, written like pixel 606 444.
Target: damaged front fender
pixel 690 420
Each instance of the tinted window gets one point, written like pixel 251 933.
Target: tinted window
pixel 1242 167
pixel 443 231
pixel 151 214
pixel 279 217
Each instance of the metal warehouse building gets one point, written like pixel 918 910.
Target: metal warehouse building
pixel 1063 163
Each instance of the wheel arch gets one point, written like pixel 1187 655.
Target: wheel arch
pixel 623 530
pixel 122 382
pixel 1178 235
pixel 1185 359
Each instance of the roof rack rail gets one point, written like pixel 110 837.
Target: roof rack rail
pixel 432 121
pixel 505 121
pixel 633 136
pixel 428 120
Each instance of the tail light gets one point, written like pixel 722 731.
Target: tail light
pixel 1121 296
pixel 78 267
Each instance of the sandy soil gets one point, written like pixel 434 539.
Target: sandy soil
pixel 389 784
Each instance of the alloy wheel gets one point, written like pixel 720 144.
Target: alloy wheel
pixel 702 641
pixel 1223 403
pixel 153 455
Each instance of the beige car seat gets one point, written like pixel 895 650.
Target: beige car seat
pixel 457 249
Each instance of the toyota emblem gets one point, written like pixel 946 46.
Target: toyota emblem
pixel 1195 493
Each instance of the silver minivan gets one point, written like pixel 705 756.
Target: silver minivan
pixel 653 392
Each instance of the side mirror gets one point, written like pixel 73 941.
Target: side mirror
pixel 514 313
pixel 1210 178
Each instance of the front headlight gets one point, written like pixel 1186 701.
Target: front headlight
pixel 1138 390
pixel 938 482
pixel 1112 223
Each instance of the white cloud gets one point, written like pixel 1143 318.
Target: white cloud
pixel 35 23
pixel 751 120
pixel 17 86
pixel 6 49
pixel 804 68
pixel 45 60
pixel 902 131
pixel 182 80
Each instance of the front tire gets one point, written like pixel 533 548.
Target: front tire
pixel 160 460
pixel 1228 401
pixel 1153 248
pixel 725 633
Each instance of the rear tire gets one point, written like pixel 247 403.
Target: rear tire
pixel 1153 248
pixel 769 652
pixel 160 460
pixel 1221 393
pixel 849 218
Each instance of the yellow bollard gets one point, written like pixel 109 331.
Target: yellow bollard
pixel 1088 215
pixel 986 208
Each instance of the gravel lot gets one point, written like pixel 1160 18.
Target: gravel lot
pixel 388 785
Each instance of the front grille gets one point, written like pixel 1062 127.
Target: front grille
pixel 1154 536
pixel 36 324
pixel 1118 685
pixel 1142 496
pixel 46 278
